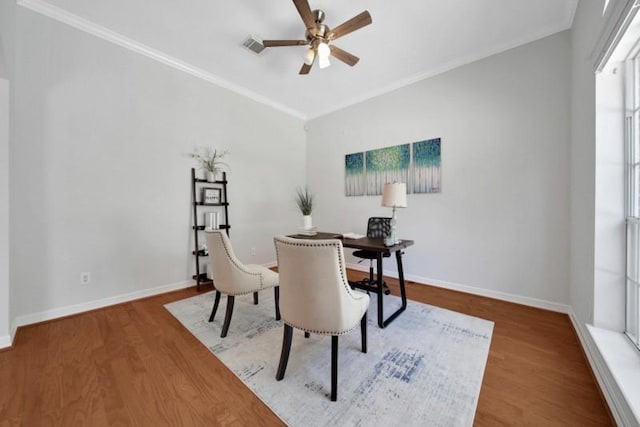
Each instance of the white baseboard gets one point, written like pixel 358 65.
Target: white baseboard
pixel 620 410
pixel 532 302
pixel 92 305
pixel 5 341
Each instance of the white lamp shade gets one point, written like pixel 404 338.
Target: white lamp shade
pixel 394 195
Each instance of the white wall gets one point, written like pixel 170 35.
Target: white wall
pixel 4 213
pixel 100 172
pixel 587 25
pixel 7 25
pixel 610 239
pixel 501 222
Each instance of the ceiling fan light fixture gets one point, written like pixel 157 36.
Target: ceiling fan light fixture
pixel 323 55
pixel 323 50
pixel 309 56
pixel 323 62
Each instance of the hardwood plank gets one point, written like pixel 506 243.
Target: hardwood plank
pixel 135 364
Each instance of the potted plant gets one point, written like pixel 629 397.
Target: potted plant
pixel 210 161
pixel 304 200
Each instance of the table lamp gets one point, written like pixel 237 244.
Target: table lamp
pixel 394 195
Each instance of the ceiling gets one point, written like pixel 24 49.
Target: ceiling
pixel 407 41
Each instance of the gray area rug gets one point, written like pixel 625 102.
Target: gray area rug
pixel 424 369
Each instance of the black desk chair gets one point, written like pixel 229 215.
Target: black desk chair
pixel 377 227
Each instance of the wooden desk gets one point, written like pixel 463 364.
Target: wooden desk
pixel 377 246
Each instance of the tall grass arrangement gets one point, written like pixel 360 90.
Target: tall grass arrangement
pixel 304 200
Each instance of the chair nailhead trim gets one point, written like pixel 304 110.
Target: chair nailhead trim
pixel 334 243
pixel 313 331
pixel 233 260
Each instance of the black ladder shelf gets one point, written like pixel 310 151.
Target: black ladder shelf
pixel 197 201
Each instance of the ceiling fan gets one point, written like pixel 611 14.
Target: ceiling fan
pixel 319 37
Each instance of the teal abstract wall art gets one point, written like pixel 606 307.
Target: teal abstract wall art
pixel 416 164
pixel 426 166
pixel 390 164
pixel 354 174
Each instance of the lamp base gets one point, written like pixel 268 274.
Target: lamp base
pixel 391 240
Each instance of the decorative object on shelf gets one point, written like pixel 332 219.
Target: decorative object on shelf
pixel 211 195
pixel 304 200
pixel 204 249
pixel 211 221
pixel 210 161
pixel 394 196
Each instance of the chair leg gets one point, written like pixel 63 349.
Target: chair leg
pixel 334 368
pixel 286 349
pixel 227 317
pixel 276 296
pixel 363 332
pixel 215 306
pixel 255 298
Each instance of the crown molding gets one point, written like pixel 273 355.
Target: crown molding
pixel 478 56
pixel 103 33
pixel 571 13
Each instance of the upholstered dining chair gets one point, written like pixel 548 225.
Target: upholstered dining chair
pixel 377 227
pixel 233 278
pixel 315 297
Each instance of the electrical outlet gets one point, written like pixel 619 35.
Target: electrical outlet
pixel 85 278
pixel 253 251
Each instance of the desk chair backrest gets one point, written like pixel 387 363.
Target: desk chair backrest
pixel 378 227
pixel 315 295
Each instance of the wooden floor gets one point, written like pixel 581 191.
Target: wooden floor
pixel 134 364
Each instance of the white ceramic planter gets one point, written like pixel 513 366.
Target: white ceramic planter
pixel 307 223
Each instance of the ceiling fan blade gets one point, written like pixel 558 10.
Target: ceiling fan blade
pixel 305 13
pixel 305 69
pixel 276 43
pixel 355 23
pixel 344 56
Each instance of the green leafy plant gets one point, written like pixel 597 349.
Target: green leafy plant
pixel 209 159
pixel 304 200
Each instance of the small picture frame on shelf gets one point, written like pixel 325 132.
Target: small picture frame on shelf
pixel 211 195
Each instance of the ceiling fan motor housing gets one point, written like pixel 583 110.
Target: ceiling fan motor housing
pixel 320 32
pixel 318 15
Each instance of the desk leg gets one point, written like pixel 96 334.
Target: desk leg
pixel 380 280
pixel 403 293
